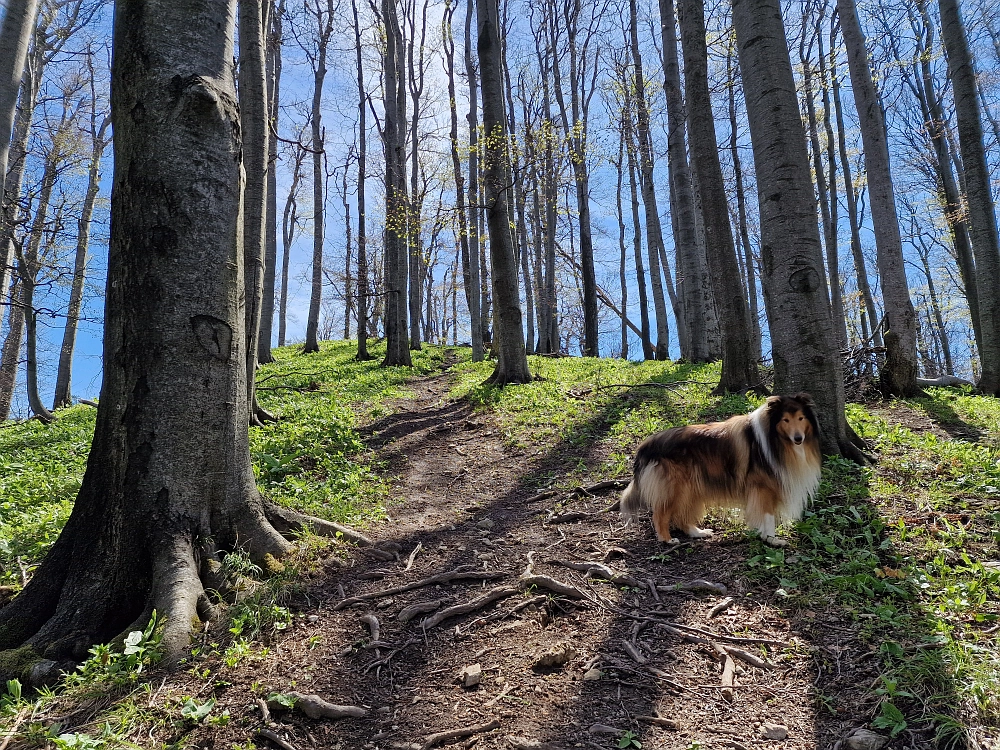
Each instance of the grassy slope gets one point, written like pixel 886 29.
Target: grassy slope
pixel 899 552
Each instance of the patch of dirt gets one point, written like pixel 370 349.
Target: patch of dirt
pixel 465 503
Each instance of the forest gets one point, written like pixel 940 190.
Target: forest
pixel 314 310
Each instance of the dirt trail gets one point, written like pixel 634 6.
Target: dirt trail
pixel 464 505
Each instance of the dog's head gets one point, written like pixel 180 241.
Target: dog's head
pixel 793 418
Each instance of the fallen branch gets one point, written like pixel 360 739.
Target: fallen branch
pixel 542 496
pixel 699 584
pixel 457 734
pixel 721 607
pixel 452 575
pixel 267 734
pixel 501 592
pixel 285 520
pixel 659 721
pixel 558 587
pixel 413 556
pixel 599 570
pixel 749 658
pixel 634 652
pixel 568 517
pixel 943 381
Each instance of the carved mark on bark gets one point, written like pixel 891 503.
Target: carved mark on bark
pixel 214 335
pixel 803 278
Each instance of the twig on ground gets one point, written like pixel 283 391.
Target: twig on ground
pixel 542 496
pixel 547 582
pixel 651 584
pixel 699 584
pixel 413 556
pixel 457 734
pixel 659 721
pixel 599 570
pixel 749 658
pixel 265 714
pixel 267 734
pixel 458 574
pixel 721 607
pixel 634 652
pixel 473 605
pixel 728 673
pixel 569 517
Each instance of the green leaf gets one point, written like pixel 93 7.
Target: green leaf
pixel 196 712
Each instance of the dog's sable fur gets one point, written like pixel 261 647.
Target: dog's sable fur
pixel 766 463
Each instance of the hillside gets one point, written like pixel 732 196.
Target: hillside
pixel 882 613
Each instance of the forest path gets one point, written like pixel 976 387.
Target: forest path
pixel 471 501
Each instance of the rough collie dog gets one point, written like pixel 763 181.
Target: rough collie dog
pixel 766 463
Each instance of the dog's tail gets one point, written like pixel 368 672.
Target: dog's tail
pixel 634 499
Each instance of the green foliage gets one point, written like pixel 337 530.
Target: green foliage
pixel 629 739
pixel 283 699
pixel 194 711
pixel 109 667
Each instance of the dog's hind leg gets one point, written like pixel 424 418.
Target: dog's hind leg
pixel 661 522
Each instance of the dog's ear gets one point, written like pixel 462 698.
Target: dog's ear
pixel 772 400
pixel 804 398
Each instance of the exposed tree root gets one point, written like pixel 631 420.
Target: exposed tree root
pixel 600 570
pixel 458 574
pixel 267 734
pixel 316 708
pixel 285 521
pixel 408 613
pixel 474 605
pixel 457 734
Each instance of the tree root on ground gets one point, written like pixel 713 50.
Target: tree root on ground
pixel 474 605
pixel 316 708
pixel 458 574
pixel 457 734
pixel 285 521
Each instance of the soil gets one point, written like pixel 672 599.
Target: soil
pixel 466 497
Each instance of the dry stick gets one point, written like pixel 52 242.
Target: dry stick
pixel 547 582
pixel 457 734
pixel 316 708
pixel 265 714
pixel 634 652
pixel 599 570
pixel 267 734
pixel 458 574
pixel 413 556
pixel 421 608
pixel 721 607
pixel 699 584
pixel 659 721
pixel 749 658
pixel 542 496
pixel 652 588
pixel 541 598
pixel 729 638
pixel 474 605
pixel 569 517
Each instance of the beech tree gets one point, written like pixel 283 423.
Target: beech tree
pixel 169 485
pixel 15 33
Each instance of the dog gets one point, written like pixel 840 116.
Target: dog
pixel 766 463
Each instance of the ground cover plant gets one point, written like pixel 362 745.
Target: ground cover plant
pixel 890 585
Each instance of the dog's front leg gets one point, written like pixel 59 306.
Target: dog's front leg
pixel 768 531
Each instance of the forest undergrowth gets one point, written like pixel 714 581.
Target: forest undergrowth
pixel 895 566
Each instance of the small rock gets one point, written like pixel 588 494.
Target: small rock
pixel 313 618
pixel 486 523
pixel 556 656
pixel 774 731
pixel 604 729
pixel 593 674
pixel 471 675
pixel 865 739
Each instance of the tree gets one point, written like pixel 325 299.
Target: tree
pixel 15 32
pixel 739 367
pixel 982 213
pixel 512 361
pixel 362 285
pixel 323 18
pixel 169 486
pixel 803 345
pixel 899 371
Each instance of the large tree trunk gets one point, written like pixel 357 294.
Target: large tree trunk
pixel 803 345
pixel 415 66
pixel 273 43
pixel 899 371
pixel 99 141
pixel 982 214
pixel 397 351
pixel 690 268
pixel 477 318
pixel 169 482
pixel 648 351
pixel 654 232
pixel 16 27
pixel 512 362
pixel 289 225
pixel 10 357
pixel 255 145
pixel 739 366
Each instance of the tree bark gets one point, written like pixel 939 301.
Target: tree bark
pixel 648 351
pixel 982 213
pixel 478 313
pixel 16 27
pixel 414 215
pixel 363 282
pixel 169 481
pixel 289 224
pixel 803 345
pixel 512 362
pixel 899 371
pixel 739 366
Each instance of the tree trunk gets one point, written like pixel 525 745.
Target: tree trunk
pixel 803 344
pixel 255 145
pixel 324 27
pixel 99 142
pixel 899 372
pixel 860 269
pixel 654 232
pixel 739 366
pixel 690 268
pixel 414 215
pixel 512 362
pixel 982 214
pixel 273 41
pixel 397 351
pixel 169 484
pixel 648 351
pixel 16 26
pixel 623 254
pixel 10 358
pixel 289 224
pixel 477 313
pixel 363 283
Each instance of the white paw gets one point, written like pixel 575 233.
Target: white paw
pixel 775 541
pixel 695 533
